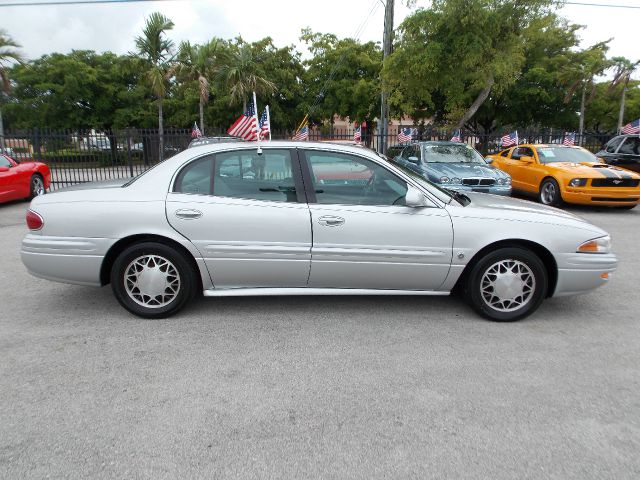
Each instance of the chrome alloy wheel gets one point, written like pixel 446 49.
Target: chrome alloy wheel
pixel 548 193
pixel 507 285
pixel 37 185
pixel 152 281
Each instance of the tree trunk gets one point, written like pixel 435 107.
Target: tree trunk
pixel 582 102
pixel 480 99
pixel 1 131
pixel 620 116
pixel 201 116
pixel 160 132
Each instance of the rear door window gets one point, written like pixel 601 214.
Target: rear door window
pixel 631 146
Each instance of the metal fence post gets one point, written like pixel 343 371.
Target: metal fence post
pixel 127 133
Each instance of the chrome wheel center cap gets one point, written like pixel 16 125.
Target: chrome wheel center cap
pixel 152 282
pixel 508 286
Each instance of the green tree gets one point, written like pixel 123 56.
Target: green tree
pixel 197 64
pixel 580 74
pixel 156 52
pixel 624 68
pixel 342 77
pixel 537 95
pixel 449 59
pixel 8 53
pixel 241 72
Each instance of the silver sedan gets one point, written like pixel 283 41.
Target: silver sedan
pixel 302 218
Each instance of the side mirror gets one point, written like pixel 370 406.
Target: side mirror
pixel 415 198
pixel 489 160
pixel 414 159
pixel 4 169
pixel 526 159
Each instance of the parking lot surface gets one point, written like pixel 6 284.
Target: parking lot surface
pixel 327 387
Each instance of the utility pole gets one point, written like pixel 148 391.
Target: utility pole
pixel 387 43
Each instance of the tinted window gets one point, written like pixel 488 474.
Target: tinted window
pixel 613 144
pixel 195 177
pixel 505 153
pixel 245 174
pixel 631 146
pixel 350 180
pixel 4 162
pixel 522 152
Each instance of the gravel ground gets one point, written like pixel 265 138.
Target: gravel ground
pixel 332 388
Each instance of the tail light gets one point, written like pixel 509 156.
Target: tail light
pixel 34 220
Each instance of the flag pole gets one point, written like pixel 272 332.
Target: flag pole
pixel 269 121
pixel 301 124
pixel 255 116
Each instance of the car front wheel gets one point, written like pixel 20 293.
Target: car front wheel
pixel 550 193
pixel 507 284
pixel 152 280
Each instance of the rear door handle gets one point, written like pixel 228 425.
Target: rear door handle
pixel 188 214
pixel 330 221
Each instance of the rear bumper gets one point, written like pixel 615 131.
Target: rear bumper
pixel 65 259
pixel 583 272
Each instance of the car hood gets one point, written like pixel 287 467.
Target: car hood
pixel 508 208
pixel 593 170
pixel 463 170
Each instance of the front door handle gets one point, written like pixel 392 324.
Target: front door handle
pixel 188 214
pixel 330 221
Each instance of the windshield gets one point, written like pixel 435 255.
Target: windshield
pixel 442 194
pixel 560 154
pixel 451 154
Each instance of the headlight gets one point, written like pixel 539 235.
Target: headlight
pixel 456 180
pixel 578 182
pixel 597 245
pixel 444 180
pixel 504 181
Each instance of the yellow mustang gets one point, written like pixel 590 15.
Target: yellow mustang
pixel 557 173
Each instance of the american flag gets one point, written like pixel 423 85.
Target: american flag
pixel 195 131
pixel 265 128
pixel 302 134
pixel 569 138
pixel 510 139
pixel 406 134
pixel 457 136
pixel 357 134
pixel 633 127
pixel 245 125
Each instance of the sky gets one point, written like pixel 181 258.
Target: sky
pixel 47 29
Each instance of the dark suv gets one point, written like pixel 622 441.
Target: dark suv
pixel 622 151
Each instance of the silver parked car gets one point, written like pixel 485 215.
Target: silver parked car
pixel 298 218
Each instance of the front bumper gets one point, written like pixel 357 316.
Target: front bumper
pixel 493 189
pixel 602 196
pixel 583 272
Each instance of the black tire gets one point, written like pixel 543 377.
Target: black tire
pixel 549 193
pixel 528 268
pixel 36 186
pixel 154 299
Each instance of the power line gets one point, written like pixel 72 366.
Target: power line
pixel 585 4
pixel 77 2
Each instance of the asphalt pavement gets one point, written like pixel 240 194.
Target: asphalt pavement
pixel 327 387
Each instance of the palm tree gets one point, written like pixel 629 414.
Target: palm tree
pixel 624 68
pixel 8 54
pixel 196 64
pixel 155 49
pixel 581 75
pixel 240 71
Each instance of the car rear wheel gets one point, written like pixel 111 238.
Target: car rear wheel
pixel 37 186
pixel 550 193
pixel 507 284
pixel 152 280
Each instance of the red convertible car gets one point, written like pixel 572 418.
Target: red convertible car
pixel 22 180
